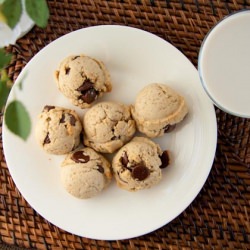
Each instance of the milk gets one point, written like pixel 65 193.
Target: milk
pixel 224 64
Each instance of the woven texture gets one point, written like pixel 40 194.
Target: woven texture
pixel 219 216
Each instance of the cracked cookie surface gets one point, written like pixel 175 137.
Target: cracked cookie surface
pixel 138 164
pixel 58 130
pixel 82 80
pixel 107 126
pixel 85 173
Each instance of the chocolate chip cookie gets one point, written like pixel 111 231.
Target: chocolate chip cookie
pixel 158 109
pixel 107 126
pixel 85 173
pixel 138 164
pixel 83 80
pixel 58 130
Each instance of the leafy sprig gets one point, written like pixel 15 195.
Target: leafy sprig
pixel 11 11
pixel 5 82
pixel 17 118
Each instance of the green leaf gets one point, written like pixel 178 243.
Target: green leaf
pixel 20 83
pixel 4 58
pixel 4 93
pixel 38 11
pixel 12 10
pixel 5 86
pixel 17 119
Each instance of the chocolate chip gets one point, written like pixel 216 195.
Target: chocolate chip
pixel 140 172
pixel 89 96
pixel 74 58
pixel 62 120
pixel 169 128
pixel 80 157
pixel 48 108
pixel 100 169
pixel 67 70
pixel 87 84
pixel 164 159
pixel 113 138
pixel 72 120
pixel 124 159
pixel 46 139
pixel 88 93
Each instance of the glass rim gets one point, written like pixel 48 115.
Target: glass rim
pixel 200 53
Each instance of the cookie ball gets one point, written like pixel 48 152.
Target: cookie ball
pixel 58 130
pixel 82 80
pixel 85 173
pixel 138 164
pixel 157 110
pixel 108 126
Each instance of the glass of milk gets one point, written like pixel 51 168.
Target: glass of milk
pixel 224 64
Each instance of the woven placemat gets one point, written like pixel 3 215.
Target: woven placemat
pixel 219 216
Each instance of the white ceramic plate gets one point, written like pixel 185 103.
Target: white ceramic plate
pixel 134 58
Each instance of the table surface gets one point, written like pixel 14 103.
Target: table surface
pixel 219 216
